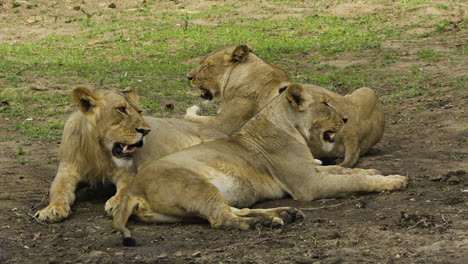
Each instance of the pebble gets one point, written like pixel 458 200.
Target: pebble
pixel 436 178
pixel 453 180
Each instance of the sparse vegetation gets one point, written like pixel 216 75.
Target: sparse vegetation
pixel 411 52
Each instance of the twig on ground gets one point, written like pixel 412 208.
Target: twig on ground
pixel 329 206
pixel 31 211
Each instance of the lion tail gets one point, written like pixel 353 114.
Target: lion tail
pixel 121 215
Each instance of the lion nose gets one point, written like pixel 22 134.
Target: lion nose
pixel 189 77
pixel 345 120
pixel 143 131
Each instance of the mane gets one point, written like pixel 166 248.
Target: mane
pixel 80 147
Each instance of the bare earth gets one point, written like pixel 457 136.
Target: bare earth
pixel 426 139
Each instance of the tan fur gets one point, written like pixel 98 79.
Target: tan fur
pixel 171 135
pixel 243 80
pixel 106 117
pixel 267 158
pixel 247 83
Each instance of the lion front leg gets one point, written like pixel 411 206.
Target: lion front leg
pixel 62 195
pixel 352 151
pixel 336 169
pixel 331 185
pixel 231 115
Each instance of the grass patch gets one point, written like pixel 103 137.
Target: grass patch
pixel 50 130
pixel 429 54
pixel 153 45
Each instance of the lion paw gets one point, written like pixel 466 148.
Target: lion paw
pixel 53 213
pixel 396 182
pixel 192 111
pixel 111 205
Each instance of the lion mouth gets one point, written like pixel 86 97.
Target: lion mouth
pixel 329 136
pixel 206 94
pixel 124 151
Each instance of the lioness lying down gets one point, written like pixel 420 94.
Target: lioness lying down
pixel 267 158
pixel 247 83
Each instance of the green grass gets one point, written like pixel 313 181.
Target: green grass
pixel 152 46
pixel 429 54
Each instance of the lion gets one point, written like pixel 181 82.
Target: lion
pixel 247 83
pixel 97 145
pixel 266 158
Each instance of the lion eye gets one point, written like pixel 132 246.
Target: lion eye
pixel 326 103
pixel 122 109
pixel 139 111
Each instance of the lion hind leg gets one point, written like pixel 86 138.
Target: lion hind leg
pixel 272 216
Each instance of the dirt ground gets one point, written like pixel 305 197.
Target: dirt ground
pixel 425 139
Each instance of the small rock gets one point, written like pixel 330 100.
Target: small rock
pixel 54 260
pixel 196 254
pixel 361 204
pixel 436 178
pixel 112 5
pixel 178 254
pixel 453 180
pixel 97 254
pixel 279 231
pixel 163 255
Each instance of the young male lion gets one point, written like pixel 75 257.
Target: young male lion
pixel 267 158
pixel 97 145
pixel 247 83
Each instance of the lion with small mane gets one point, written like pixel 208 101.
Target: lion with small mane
pixel 246 83
pixel 103 141
pixel 97 146
pixel 266 158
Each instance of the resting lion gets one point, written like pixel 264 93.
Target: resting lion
pixel 267 158
pixel 97 145
pixel 247 83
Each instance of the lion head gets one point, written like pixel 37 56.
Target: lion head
pixel 114 119
pixel 210 75
pixel 317 114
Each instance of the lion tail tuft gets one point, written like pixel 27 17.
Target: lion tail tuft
pixel 129 242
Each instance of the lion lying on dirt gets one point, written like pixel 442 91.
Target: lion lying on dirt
pixel 267 158
pixel 247 83
pixel 97 145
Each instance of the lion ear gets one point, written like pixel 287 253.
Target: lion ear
pixel 297 96
pixel 131 92
pixel 240 54
pixel 85 99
